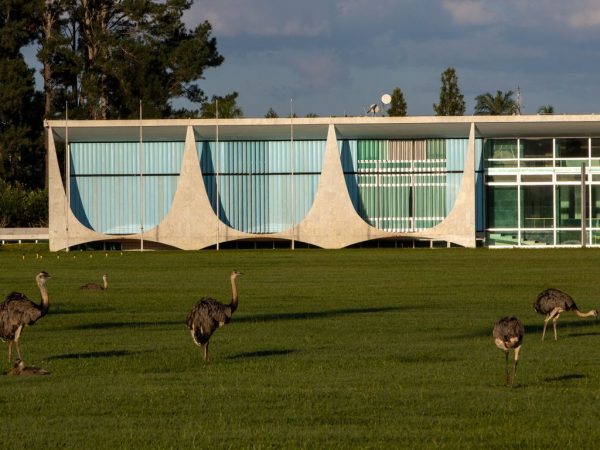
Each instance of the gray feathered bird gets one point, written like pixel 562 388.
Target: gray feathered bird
pixel 21 369
pixel 96 286
pixel 508 333
pixel 553 302
pixel 17 312
pixel 208 315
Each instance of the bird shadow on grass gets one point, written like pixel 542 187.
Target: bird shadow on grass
pixel 319 314
pixel 62 310
pixel 111 325
pixel 532 330
pixel 262 354
pixel 88 355
pixel 566 377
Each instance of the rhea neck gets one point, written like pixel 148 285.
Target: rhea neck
pixel 105 282
pixel 44 292
pixel 593 313
pixel 234 294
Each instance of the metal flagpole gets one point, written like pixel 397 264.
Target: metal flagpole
pixel 292 172
pixel 217 171
pixel 583 207
pixel 67 170
pixel 141 161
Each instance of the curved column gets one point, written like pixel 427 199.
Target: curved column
pixel 64 229
pixel 191 223
pixel 459 225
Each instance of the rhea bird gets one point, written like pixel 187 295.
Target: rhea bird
pixel 552 303
pixel 508 333
pixel 17 312
pixel 208 315
pixel 96 286
pixel 20 368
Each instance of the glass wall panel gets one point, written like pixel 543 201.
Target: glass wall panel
pixel 536 207
pixel 568 237
pixel 537 238
pixel 572 148
pixel 595 210
pixel 536 148
pixel 500 149
pixel 595 147
pixel 568 206
pixel 501 207
pixel 506 238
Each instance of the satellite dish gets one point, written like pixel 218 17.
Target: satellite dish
pixel 374 108
pixel 386 99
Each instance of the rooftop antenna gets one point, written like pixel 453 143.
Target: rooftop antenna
pixel 518 102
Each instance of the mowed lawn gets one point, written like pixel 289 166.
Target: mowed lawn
pixel 357 348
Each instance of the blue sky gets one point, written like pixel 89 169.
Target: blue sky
pixel 336 57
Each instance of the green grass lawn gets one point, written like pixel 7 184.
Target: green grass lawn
pixel 329 349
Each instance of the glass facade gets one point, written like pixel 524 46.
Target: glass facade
pixel 534 191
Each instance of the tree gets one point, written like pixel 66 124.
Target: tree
pixel 500 104
pixel 271 114
pixel 227 106
pixel 398 104
pixel 452 102
pixel 101 57
pixel 20 116
pixel 546 109
pixel 312 115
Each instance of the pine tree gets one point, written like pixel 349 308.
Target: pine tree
pixel 452 102
pixel 398 104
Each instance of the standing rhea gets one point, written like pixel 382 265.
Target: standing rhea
pixel 553 302
pixel 208 315
pixel 96 286
pixel 17 311
pixel 508 333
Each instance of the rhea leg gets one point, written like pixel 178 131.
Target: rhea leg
pixel 205 348
pixel 506 366
pixel 517 350
pixel 554 325
pixel 17 337
pixel 551 315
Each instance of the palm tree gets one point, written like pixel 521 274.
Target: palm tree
pixel 546 109
pixel 500 104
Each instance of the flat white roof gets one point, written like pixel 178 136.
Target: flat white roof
pixel 316 128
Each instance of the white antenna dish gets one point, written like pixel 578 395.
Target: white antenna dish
pixel 374 108
pixel 386 99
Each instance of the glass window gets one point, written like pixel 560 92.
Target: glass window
pixel 537 238
pixel 536 207
pixel 500 148
pixel 595 148
pixel 536 148
pixel 595 212
pixel 568 237
pixel 507 238
pixel 501 207
pixel 568 206
pixel 572 148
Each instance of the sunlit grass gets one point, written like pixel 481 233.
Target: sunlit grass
pixel 329 349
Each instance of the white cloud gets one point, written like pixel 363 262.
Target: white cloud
pixel 231 18
pixel 469 12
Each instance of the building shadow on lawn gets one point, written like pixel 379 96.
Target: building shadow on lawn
pixel 319 314
pixel 262 354
pixel 88 355
pixel 110 325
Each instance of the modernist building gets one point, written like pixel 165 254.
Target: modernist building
pixel 326 182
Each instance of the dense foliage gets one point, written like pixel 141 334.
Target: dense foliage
pixel 22 207
pixel 452 102
pixel 398 104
